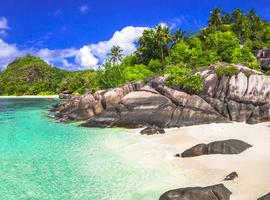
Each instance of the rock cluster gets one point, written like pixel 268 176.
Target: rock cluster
pixel 244 98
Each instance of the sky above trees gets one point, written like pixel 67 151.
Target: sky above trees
pixel 79 34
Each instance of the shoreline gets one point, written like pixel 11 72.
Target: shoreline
pixel 29 96
pixel 253 181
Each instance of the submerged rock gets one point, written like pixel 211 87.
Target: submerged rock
pixel 219 147
pixel 215 192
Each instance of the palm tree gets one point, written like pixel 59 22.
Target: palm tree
pixel 215 18
pixel 163 37
pixel 240 25
pixel 227 18
pixel 178 35
pixel 115 55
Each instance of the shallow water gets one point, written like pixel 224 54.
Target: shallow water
pixel 44 160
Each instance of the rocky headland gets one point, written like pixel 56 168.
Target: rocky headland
pixel 243 97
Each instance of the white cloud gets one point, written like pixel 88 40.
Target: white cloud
pixel 83 9
pixel 3 26
pixel 58 57
pixel 87 57
pixel 3 23
pixel 163 24
pixel 8 52
pixel 175 22
pixel 126 39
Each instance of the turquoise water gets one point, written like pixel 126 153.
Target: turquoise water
pixel 44 160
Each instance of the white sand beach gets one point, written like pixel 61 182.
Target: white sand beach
pixel 252 166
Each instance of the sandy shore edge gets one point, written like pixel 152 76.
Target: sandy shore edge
pixel 252 166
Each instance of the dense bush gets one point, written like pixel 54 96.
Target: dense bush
pixel 179 77
pixel 227 71
pixel 136 73
pixel 155 66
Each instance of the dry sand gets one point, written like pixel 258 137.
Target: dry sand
pixel 252 166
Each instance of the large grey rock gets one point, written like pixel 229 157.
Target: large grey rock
pixel 239 112
pixel 237 87
pixel 215 192
pixel 222 88
pixel 219 147
pixel 265 197
pixel 258 92
pixel 143 108
pixel 210 84
pixel 80 114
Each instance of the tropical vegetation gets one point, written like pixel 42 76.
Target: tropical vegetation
pixel 229 37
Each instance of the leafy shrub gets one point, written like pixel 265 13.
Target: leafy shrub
pixel 179 77
pixel 227 71
pixel 248 73
pixel 155 65
pixel 136 73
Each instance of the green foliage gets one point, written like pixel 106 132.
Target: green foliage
pixel 248 73
pixel 180 53
pixel 30 75
pixel 80 82
pixel 154 44
pixel 136 73
pixel 179 77
pixel 130 60
pixel 155 66
pixel 110 76
pixel 115 55
pixel 227 71
pixel 223 43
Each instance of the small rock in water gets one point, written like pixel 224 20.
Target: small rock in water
pixel 231 176
pixel 177 155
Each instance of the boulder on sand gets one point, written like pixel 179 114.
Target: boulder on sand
pixel 265 197
pixel 215 192
pixel 231 146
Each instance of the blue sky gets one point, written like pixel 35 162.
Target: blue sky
pixel 77 34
